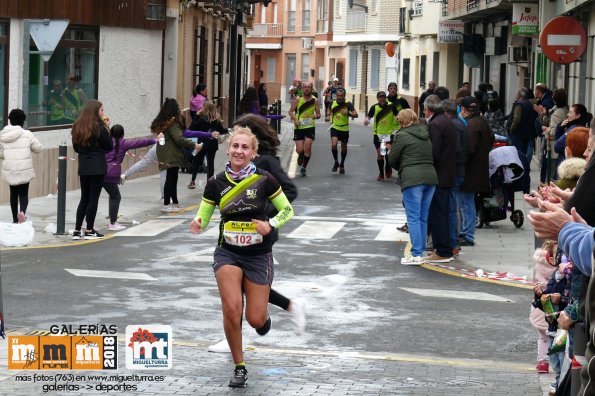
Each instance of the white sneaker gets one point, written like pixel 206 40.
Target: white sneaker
pixel 411 260
pixel 116 227
pixel 122 178
pixel 168 209
pixel 223 347
pixel 298 315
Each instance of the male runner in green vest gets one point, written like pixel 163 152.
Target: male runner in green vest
pixel 384 115
pixel 304 110
pixel 340 113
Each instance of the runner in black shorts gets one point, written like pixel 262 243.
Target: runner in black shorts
pixel 340 113
pixel 243 257
pixel 304 110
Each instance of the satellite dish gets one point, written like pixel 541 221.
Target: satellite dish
pixel 390 49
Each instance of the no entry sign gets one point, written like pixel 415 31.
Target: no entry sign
pixel 563 40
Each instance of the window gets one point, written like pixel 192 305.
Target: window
pixel 322 18
pixel 352 68
pixel 71 79
pixel 422 71
pixel 406 63
pixel 3 71
pixel 200 54
pixel 271 66
pixel 305 67
pixel 375 69
pixel 306 16
pixel 156 12
pixel 275 13
pixel 263 15
pixel 418 8
pixel 291 16
pixel 436 67
pixel 402 13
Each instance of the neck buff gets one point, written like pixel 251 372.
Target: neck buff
pixel 242 173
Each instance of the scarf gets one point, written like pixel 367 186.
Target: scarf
pixel 242 173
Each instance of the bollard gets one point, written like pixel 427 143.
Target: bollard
pixel 62 162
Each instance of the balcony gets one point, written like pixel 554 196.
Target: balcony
pixel 356 20
pixel 266 30
pixel 468 10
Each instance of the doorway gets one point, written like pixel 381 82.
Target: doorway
pixel 290 73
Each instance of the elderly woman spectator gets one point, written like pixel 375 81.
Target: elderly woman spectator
pixel 411 155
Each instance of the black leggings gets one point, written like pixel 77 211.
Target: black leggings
pixel 18 194
pixel 114 200
pixel 198 160
pixel 90 191
pixel 170 190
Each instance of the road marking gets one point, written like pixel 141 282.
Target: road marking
pixel 110 274
pixel 316 230
pixel 369 220
pixel 458 294
pixel 292 165
pixel 200 256
pixel 390 233
pixel 150 228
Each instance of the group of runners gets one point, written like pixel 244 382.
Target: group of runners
pixel 305 109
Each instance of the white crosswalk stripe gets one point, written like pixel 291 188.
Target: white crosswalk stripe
pixel 308 227
pixel 458 294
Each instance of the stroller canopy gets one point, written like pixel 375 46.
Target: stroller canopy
pixel 508 158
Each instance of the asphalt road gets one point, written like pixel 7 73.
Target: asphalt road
pixel 351 279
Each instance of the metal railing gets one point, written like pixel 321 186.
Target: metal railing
pixel 266 30
pixel 356 20
pixel 471 4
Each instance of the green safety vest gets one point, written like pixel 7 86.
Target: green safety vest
pixel 55 106
pixel 340 116
pixel 305 112
pixel 73 103
pixel 385 121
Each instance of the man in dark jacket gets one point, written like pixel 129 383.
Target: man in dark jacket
pixel 444 151
pixel 450 109
pixel 424 95
pixel 477 177
pixel 522 122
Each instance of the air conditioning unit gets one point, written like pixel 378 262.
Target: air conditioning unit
pixel 307 43
pixel 518 54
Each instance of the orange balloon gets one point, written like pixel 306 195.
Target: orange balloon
pixel 390 49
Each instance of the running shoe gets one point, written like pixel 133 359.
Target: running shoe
pixel 191 185
pixel 93 234
pixel 265 327
pixel 123 178
pixel 412 260
pixel 435 258
pixel 116 227
pixel 335 167
pixel 303 171
pixel 404 228
pixel 220 347
pixel 76 235
pixel 298 315
pixel 342 170
pixel 21 217
pixel 240 377
pixel 380 177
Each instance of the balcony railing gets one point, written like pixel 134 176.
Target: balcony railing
pixel 471 4
pixel 266 30
pixel 356 20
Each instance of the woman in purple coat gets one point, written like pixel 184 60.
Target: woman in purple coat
pixel 114 159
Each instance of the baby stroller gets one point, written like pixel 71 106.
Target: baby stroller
pixel 509 172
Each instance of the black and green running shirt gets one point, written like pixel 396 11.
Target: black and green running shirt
pixel 340 115
pixel 385 122
pixel 239 203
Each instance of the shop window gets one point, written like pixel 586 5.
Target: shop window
pixel 58 96
pixel 271 65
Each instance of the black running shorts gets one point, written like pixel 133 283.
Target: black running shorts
pixel 343 136
pixel 258 268
pixel 301 134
